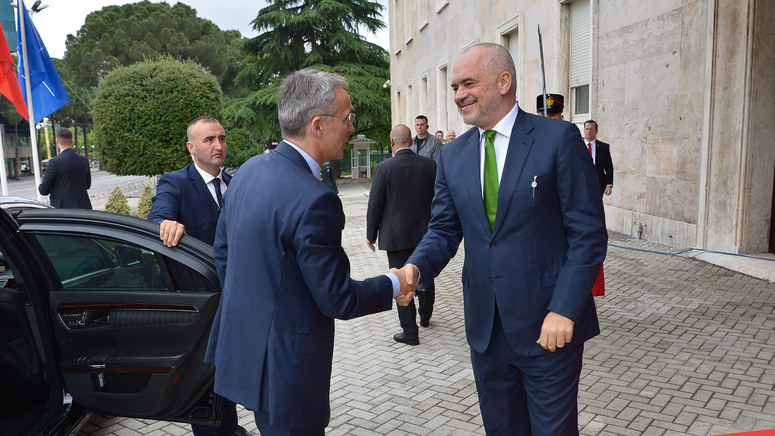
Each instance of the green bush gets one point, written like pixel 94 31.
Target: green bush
pixel 144 205
pixel 240 146
pixel 117 202
pixel 141 113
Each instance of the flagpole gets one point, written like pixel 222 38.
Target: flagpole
pixel 33 140
pixel 3 175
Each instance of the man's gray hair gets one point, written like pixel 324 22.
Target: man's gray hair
pixel 305 94
pixel 497 59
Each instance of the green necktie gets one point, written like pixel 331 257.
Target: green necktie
pixel 490 177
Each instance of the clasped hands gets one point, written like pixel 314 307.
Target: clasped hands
pixel 408 276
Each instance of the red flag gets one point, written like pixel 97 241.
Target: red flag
pixel 9 86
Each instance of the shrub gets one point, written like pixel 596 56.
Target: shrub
pixel 117 202
pixel 144 205
pixel 141 113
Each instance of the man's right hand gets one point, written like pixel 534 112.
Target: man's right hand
pixel 406 294
pixel 412 274
pixel 170 232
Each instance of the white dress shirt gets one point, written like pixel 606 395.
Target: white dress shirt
pixel 501 143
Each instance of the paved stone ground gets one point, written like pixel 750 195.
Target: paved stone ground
pixel 686 348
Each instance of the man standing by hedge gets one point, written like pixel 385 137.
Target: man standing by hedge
pixel 67 177
pixel 188 201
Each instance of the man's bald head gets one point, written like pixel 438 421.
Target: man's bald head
pixel 400 137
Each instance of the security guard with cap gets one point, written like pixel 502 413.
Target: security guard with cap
pixel 555 104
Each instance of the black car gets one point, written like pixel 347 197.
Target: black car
pixel 98 316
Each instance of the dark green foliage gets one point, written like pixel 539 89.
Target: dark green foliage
pixel 141 113
pixel 123 35
pixel 320 34
pixel 240 147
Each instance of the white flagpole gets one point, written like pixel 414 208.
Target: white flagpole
pixel 33 140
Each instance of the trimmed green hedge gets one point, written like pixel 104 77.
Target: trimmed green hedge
pixel 142 112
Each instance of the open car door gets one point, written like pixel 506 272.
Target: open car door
pixel 129 317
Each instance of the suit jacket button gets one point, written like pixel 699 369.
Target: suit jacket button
pixel 490 278
pixel 493 244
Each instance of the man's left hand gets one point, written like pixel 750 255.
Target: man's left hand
pixel 556 331
pixel 608 190
pixel 170 232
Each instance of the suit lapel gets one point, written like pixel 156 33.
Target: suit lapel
pixel 199 185
pixel 520 143
pixel 471 173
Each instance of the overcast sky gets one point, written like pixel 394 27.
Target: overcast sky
pixel 63 17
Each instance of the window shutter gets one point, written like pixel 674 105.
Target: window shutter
pixel 514 50
pixel 580 43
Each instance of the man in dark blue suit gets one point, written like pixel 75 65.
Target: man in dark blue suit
pixel 601 156
pixel 67 177
pixel 522 192
pixel 188 201
pixel 284 273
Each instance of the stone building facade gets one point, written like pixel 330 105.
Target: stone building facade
pixel 683 90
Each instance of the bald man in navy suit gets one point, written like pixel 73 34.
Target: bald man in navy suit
pixel 521 191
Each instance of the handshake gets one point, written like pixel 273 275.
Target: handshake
pixel 408 276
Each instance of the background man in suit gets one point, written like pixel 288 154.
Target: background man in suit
pixel 399 211
pixel 284 273
pixel 451 135
pixel 601 156
pixel 555 104
pixel 186 202
pixel 425 144
pixel 67 177
pixel 519 189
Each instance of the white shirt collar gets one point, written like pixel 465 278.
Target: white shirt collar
pixel 207 177
pixel 506 123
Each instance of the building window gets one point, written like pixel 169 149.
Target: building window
pixel 580 57
pixel 423 106
pixel 442 104
pixel 512 43
pixel 409 116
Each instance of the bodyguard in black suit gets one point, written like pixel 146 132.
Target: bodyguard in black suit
pixel 188 201
pixel 399 211
pixel 601 156
pixel 67 176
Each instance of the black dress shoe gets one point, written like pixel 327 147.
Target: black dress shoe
pixel 425 322
pixel 406 338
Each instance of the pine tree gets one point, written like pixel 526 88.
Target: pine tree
pixel 319 34
pixel 117 202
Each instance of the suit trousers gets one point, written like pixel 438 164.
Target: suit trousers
pixel 266 429
pixel 527 396
pixel 228 422
pixel 407 315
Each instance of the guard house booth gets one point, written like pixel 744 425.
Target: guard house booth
pixel 361 157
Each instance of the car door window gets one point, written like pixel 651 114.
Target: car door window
pixel 83 262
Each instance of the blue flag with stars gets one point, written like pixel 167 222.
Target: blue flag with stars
pixel 48 93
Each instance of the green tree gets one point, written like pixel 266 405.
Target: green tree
pixel 144 204
pixel 320 34
pixel 141 113
pixel 240 146
pixel 123 35
pixel 117 202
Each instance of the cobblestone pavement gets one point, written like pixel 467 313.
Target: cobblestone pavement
pixel 686 348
